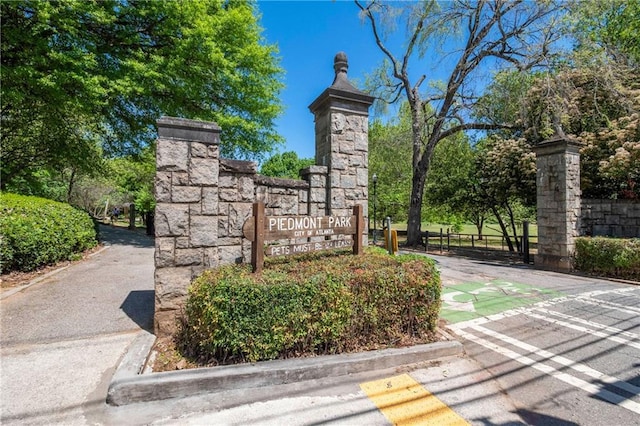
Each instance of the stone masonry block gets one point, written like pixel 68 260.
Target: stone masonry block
pixel 230 254
pixel 348 181
pixel 338 123
pixel 171 220
pixel 163 187
pixel 190 256
pixel 199 150
pixel 211 257
pixel 203 171
pixel 186 194
pixel 361 142
pixel 182 242
pixel 172 155
pixel 209 201
pixel 227 181
pixel 362 176
pixel 229 194
pixel 204 231
pixel 164 252
pixel 246 188
pixel 171 287
pixel 180 179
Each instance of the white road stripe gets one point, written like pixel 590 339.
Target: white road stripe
pixel 618 307
pixel 579 367
pixel 547 303
pixel 589 323
pixel 595 390
pixel 586 330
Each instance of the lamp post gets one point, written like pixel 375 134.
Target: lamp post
pixel 374 178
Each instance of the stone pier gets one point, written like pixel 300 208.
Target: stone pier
pixel 558 202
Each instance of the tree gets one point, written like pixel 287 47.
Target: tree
pixel 133 177
pixel 453 184
pixel 506 178
pixel 516 33
pixel 81 78
pixel 285 165
pixel 612 26
pixel 389 153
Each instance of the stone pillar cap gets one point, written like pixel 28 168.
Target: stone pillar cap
pixel 341 89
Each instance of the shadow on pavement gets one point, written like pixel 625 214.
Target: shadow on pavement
pixel 533 418
pixel 139 306
pixel 112 235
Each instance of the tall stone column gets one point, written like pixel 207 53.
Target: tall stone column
pixel 558 201
pixel 186 216
pixel 342 141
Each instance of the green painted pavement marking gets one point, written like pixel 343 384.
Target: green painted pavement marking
pixel 468 301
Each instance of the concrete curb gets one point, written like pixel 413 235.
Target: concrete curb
pixel 128 387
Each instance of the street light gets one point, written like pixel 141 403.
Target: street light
pixel 374 178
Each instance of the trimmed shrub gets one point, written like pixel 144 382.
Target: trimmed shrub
pixel 36 231
pixel 610 257
pixel 310 304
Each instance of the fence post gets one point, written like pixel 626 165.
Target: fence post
pixel 388 243
pixel 132 216
pixel 357 238
pixel 440 240
pixel 257 247
pixel 525 241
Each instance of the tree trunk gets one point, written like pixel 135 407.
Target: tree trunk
pixel 414 234
pixel 513 226
pixel 503 227
pixel 72 180
pixel 479 222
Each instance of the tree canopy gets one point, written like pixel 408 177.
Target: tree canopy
pixel 476 35
pixel 82 79
pixel 285 165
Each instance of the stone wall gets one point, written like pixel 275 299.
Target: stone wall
pixel 612 218
pixel 202 200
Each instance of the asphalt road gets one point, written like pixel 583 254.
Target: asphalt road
pixel 567 352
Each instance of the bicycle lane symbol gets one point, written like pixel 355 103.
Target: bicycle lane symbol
pixel 462 302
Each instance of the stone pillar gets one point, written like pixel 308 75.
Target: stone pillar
pixel 342 141
pixel 558 201
pixel 186 215
pixel 316 197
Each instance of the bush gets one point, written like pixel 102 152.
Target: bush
pixel 36 232
pixel 310 304
pixel 611 257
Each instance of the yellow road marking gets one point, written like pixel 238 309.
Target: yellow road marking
pixel 404 401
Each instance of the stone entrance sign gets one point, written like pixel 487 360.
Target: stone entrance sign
pixel 260 228
pixel 203 201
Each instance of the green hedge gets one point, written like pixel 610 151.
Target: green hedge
pixel 320 304
pixel 611 257
pixel 36 231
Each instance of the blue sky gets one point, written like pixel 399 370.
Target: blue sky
pixel 308 35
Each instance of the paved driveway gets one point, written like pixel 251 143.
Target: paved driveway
pixel 63 337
